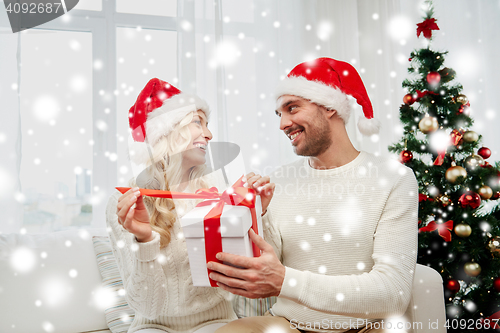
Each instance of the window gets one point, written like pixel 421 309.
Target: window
pixel 80 74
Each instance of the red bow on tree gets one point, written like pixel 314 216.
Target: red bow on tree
pixel 421 94
pixel 426 28
pixel 442 228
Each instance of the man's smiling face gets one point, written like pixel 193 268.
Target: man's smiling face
pixel 305 124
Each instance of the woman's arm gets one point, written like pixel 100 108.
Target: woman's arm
pixel 139 265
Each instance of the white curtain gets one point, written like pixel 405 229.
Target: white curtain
pixel 234 52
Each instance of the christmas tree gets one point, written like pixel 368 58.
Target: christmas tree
pixel 459 236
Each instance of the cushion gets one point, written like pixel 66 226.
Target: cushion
pixel 246 307
pixel 119 315
pixel 48 282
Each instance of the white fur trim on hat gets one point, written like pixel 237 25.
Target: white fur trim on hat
pixel 162 120
pixel 316 92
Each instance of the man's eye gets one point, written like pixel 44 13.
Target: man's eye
pixel 291 108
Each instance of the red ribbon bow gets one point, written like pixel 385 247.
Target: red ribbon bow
pixel 236 195
pixel 455 137
pixel 426 27
pixel 421 94
pixel 442 228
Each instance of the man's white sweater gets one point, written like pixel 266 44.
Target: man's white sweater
pixel 348 239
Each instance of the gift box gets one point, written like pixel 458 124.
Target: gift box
pixel 235 222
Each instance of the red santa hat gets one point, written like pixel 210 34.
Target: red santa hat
pixel 328 82
pixel 159 108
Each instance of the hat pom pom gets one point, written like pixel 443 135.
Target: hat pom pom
pixel 368 126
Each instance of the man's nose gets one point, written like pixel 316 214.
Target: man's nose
pixel 285 122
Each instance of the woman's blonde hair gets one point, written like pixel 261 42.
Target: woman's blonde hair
pixel 166 174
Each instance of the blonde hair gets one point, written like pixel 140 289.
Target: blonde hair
pixel 166 174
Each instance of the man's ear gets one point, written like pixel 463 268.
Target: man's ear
pixel 330 113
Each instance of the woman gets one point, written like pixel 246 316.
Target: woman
pixel 145 232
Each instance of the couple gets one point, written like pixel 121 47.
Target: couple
pixel 340 234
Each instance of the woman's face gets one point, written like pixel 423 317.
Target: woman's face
pixel 200 135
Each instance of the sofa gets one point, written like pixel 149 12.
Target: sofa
pixel 61 282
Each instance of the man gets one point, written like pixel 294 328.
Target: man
pixel 342 222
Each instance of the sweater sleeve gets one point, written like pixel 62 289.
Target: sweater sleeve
pixel 271 233
pixel 384 291
pixel 139 266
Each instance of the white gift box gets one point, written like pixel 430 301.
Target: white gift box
pixel 235 222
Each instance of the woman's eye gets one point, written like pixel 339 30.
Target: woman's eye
pixel 197 122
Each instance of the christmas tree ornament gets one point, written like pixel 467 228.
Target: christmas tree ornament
pixel 453 285
pixel 409 99
pixel 485 192
pixel 472 269
pixel 464 109
pixel 454 172
pixel 444 200
pixel 484 152
pixel 447 74
pixel 462 99
pixel 470 199
pixel 426 27
pixel 494 246
pixel 463 230
pixel 473 162
pixel 428 124
pixel 470 136
pixel 433 79
pixel 496 195
pixel 406 156
pixel 496 284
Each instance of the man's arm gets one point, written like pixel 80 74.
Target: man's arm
pixel 382 292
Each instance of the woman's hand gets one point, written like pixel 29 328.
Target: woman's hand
pixel 263 186
pixel 134 219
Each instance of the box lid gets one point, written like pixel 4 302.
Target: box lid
pixel 235 220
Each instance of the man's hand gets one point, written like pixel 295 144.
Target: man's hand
pixel 263 186
pixel 259 278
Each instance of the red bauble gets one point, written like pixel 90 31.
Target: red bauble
pixel 433 78
pixel 484 152
pixel 495 196
pixel 470 199
pixel 409 99
pixel 406 156
pixel 496 284
pixel 453 285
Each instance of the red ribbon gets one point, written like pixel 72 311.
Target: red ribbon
pixel 442 228
pixel 455 137
pixel 421 94
pixel 423 197
pixel 426 27
pixel 236 195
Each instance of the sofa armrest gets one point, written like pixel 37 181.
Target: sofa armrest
pixel 426 310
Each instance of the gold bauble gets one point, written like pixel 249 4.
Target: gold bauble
pixel 454 172
pixel 472 269
pixel 428 124
pixel 470 136
pixel 463 230
pixel 444 200
pixel 485 192
pixel 462 99
pixel 473 162
pixel 494 246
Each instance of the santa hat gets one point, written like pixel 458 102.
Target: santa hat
pixel 159 108
pixel 328 82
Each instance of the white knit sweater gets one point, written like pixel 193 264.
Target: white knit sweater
pixel 158 283
pixel 348 239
